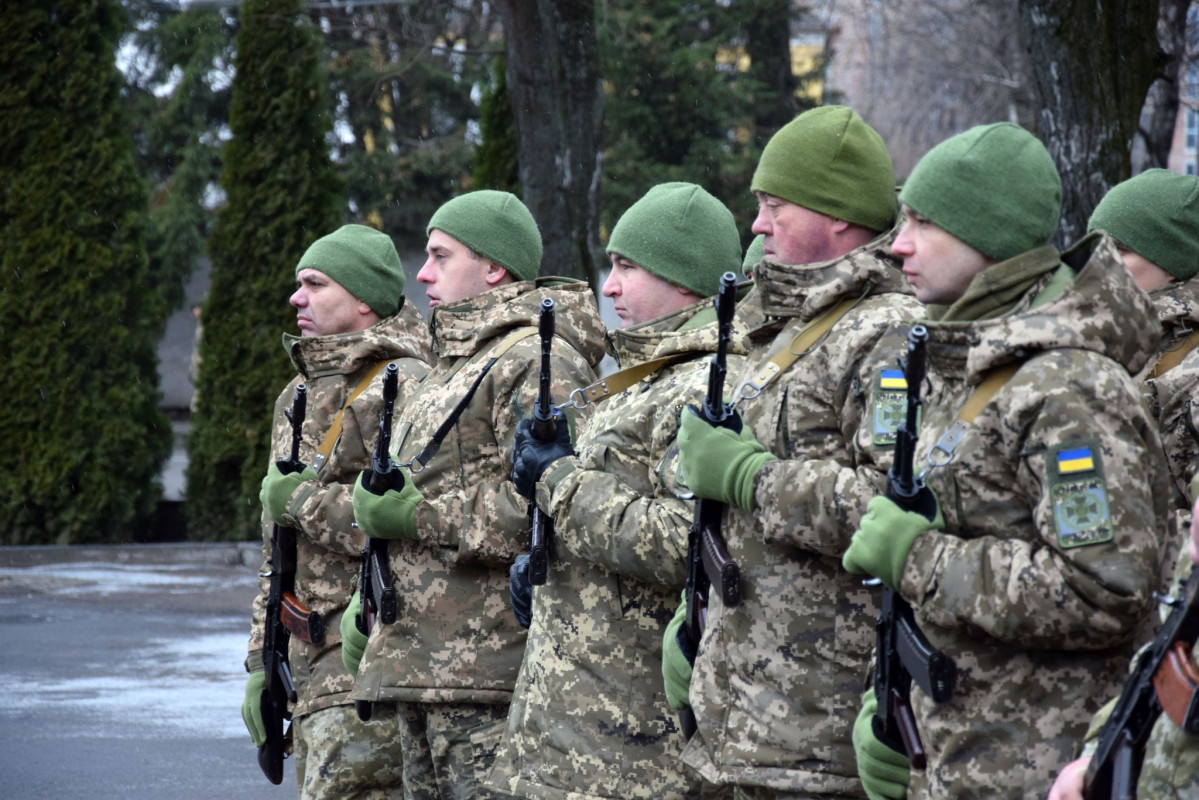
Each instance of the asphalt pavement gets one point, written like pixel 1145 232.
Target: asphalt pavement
pixel 121 673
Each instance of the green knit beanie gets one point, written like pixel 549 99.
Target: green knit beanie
pixel 497 226
pixel 1156 215
pixel 364 261
pixel 680 233
pixel 995 187
pixel 754 253
pixel 829 160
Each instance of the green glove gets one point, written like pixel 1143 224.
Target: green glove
pixel 278 488
pixel 251 706
pixel 885 773
pixel 676 661
pixel 391 515
pixel 353 641
pixel 720 463
pixel 882 543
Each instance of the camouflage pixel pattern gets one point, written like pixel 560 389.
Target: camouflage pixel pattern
pixel 778 679
pixel 463 738
pixel 1170 398
pixel 327 547
pixel 589 718
pixel 1040 631
pixel 340 757
pixel 454 638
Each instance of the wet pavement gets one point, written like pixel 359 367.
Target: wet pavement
pixel 121 673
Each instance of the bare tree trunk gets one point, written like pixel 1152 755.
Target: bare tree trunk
pixel 768 44
pixel 553 83
pixel 1161 113
pixel 1092 62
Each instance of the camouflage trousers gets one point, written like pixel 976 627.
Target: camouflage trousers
pixel 762 793
pixel 337 755
pixel 461 739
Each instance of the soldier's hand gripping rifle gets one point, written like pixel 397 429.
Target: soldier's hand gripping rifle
pixel 544 428
pixel 1163 678
pixel 378 591
pixel 280 688
pixel 904 654
pixel 708 560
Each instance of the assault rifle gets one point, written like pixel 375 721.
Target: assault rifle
pixel 1163 678
pixel 280 688
pixel 378 592
pixel 708 560
pixel 904 654
pixel 544 428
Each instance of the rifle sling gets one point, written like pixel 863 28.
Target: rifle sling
pixel 1173 357
pixel 978 399
pixel 809 335
pixel 617 382
pixel 326 446
pixel 443 430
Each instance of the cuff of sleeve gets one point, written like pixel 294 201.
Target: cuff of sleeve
pixel 254 662
pixel 293 512
pixel 922 567
pixel 429 528
pixel 558 472
pixel 744 495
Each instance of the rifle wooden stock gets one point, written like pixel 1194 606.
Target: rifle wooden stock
pixel 1176 683
pixel 301 621
pixel 903 723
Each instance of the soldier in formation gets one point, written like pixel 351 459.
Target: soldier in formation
pixel 589 717
pixel 1035 564
pixel 353 321
pixel 1031 567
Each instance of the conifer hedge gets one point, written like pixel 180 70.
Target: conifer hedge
pixel 282 194
pixel 84 440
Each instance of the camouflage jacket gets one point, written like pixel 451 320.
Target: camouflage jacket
pixel 327 547
pixel 1054 500
pixel 454 638
pixel 589 717
pixel 778 679
pixel 1170 399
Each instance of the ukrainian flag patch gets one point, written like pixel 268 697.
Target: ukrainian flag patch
pixel 1078 492
pixel 892 379
pixel 1076 460
pixel 888 406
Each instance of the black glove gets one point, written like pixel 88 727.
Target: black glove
pixel 531 457
pixel 520 591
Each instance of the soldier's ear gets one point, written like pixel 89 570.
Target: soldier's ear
pixel 495 273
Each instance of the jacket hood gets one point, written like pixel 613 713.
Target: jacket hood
pixel 1100 310
pixel 806 290
pixel 459 329
pixel 688 331
pixel 402 335
pixel 1178 310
